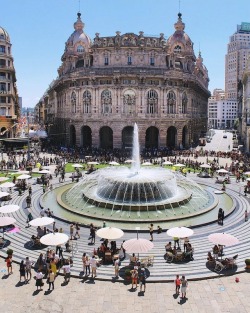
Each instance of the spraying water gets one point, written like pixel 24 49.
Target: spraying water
pixel 136 151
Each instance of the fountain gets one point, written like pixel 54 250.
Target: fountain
pixel 137 195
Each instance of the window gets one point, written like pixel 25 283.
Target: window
pixel 184 102
pixel 129 101
pixel 177 49
pixel 2 87
pixel 2 49
pixel 171 102
pixel 86 102
pixel 80 49
pixel 129 60
pixel 106 101
pixel 3 111
pixel 73 102
pixel 106 61
pixel 152 61
pixel 152 102
pixel 2 99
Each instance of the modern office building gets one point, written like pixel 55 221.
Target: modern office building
pixel 107 85
pixel 246 107
pixel 9 102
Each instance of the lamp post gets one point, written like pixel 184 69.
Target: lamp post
pixel 28 121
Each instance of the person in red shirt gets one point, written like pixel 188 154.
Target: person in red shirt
pixel 177 284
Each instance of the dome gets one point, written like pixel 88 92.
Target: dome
pixel 78 36
pixel 179 36
pixel 3 34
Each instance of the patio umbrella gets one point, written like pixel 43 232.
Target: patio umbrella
pixel 88 156
pixel 223 239
pixel 41 221
pixel 7 185
pixel 205 166
pixel 9 208
pixel 20 172
pixel 54 239
pixel 6 220
pixel 110 233
pixel 246 173
pixel 93 163
pixel 3 179
pixel 180 232
pixel 138 245
pixel 13 230
pixel 24 176
pixel 179 165
pixel 114 163
pixel 146 164
pixel 222 170
pixel 44 172
pixel 76 165
pixel 3 194
pixel 248 179
pixel 36 170
pixel 167 163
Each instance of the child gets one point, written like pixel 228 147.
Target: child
pixel 246 216
pixel 177 285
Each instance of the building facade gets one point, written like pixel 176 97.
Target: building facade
pixel 107 85
pixel 246 107
pixel 222 113
pixel 9 102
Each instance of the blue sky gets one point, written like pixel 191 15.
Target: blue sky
pixel 39 30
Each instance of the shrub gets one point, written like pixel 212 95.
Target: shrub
pixel 247 261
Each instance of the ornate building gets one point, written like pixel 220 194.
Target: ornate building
pixel 9 105
pixel 107 85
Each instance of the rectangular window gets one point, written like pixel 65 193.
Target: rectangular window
pixel 3 111
pixel 2 100
pixel 152 61
pixel 2 49
pixel 106 61
pixel 129 60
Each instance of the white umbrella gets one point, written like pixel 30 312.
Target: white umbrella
pixel 205 166
pixel 6 220
pixel 20 172
pixel 88 156
pixel 110 233
pixel 223 239
pixel 246 173
pixel 44 172
pixel 180 232
pixel 3 179
pixel 114 163
pixel 7 185
pixel 36 170
pixel 54 239
pixel 24 176
pixel 248 179
pixel 146 164
pixel 9 208
pixel 129 161
pixel 179 165
pixel 77 165
pixel 138 245
pixel 93 163
pixel 3 194
pixel 167 163
pixel 41 221
pixel 222 171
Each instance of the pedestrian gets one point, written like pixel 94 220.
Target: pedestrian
pixel 92 234
pixel 184 285
pixel 84 262
pixel 186 242
pixel 77 234
pixel 28 265
pixel 222 216
pixel 177 285
pixel 8 261
pixel 71 231
pixel 39 279
pixel 93 264
pixel 87 264
pixel 176 242
pixel 51 279
pixel 29 218
pixel 142 280
pixel 30 191
pixel 22 271
pixel 219 216
pixel 134 277
pixel 117 265
pixel 66 269
pixel 246 215
pixel 151 231
pixel 28 201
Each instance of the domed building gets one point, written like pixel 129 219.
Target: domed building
pixel 106 85
pixel 9 106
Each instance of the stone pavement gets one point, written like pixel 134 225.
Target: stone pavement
pixel 213 295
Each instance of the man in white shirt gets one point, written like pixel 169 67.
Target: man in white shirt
pixel 66 269
pixel 93 264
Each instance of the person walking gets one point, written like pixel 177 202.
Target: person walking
pixel 222 216
pixel 151 231
pixel 184 285
pixel 71 231
pixel 87 264
pixel 39 279
pixel 8 261
pixel 134 277
pixel 51 279
pixel 117 266
pixel 142 280
pixel 28 265
pixel 84 262
pixel 66 269
pixel 93 264
pixel 22 271
pixel 177 285
pixel 246 215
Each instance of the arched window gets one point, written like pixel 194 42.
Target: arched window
pixel 171 102
pixel 86 102
pixel 106 100
pixel 73 102
pixel 152 102
pixel 177 49
pixel 184 102
pixel 80 49
pixel 129 101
